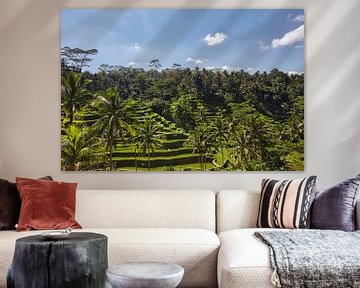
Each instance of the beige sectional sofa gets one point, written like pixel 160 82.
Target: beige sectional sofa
pixel 177 226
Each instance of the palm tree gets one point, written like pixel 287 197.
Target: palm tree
pixel 238 140
pixel 76 148
pixel 115 118
pixel 258 137
pixel 149 137
pixel 73 92
pixel 220 133
pixel 200 140
pixel 133 140
pixel 249 141
pixel 182 111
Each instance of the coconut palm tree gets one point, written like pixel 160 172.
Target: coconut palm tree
pixel 182 111
pixel 77 148
pixel 249 139
pixel 149 137
pixel 200 140
pixel 115 117
pixel 220 134
pixel 73 93
pixel 136 145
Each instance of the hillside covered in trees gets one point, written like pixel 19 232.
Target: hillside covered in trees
pixel 179 119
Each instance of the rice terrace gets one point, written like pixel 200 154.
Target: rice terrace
pixel 173 90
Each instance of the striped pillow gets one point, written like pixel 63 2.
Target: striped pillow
pixel 286 204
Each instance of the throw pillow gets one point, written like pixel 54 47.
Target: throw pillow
pixel 286 204
pixel 334 208
pixel 10 203
pixel 46 204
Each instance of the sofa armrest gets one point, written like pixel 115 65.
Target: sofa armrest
pixel 357 215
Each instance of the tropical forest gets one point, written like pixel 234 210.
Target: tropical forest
pixel 123 118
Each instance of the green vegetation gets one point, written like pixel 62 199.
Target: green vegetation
pixel 178 119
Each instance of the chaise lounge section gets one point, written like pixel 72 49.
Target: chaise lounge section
pixel 244 260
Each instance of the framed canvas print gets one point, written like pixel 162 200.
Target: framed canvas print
pixel 182 89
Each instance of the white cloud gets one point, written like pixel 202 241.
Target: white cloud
pixel 264 46
pixel 216 39
pixel 289 38
pixel 228 68
pixel 251 70
pixel 222 68
pixel 295 18
pixel 294 73
pixel 299 46
pixel 212 68
pixel 196 61
pixel 298 18
pixel 133 64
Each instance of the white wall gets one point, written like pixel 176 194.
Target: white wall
pixel 30 95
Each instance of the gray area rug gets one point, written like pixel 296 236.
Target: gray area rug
pixel 314 258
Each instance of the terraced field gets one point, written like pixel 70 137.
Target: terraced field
pixel 172 155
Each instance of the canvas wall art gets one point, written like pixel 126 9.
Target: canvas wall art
pixel 182 90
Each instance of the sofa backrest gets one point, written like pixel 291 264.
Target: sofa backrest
pixel 146 209
pixel 239 209
pixel 236 209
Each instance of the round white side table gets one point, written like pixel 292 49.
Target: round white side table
pixel 145 275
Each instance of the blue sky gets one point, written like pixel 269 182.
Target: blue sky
pixel 231 39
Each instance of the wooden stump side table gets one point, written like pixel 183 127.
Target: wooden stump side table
pixel 78 261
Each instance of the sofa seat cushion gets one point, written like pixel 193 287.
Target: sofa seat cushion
pixel 244 261
pixel 194 249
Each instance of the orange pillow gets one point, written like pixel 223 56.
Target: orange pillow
pixel 46 204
